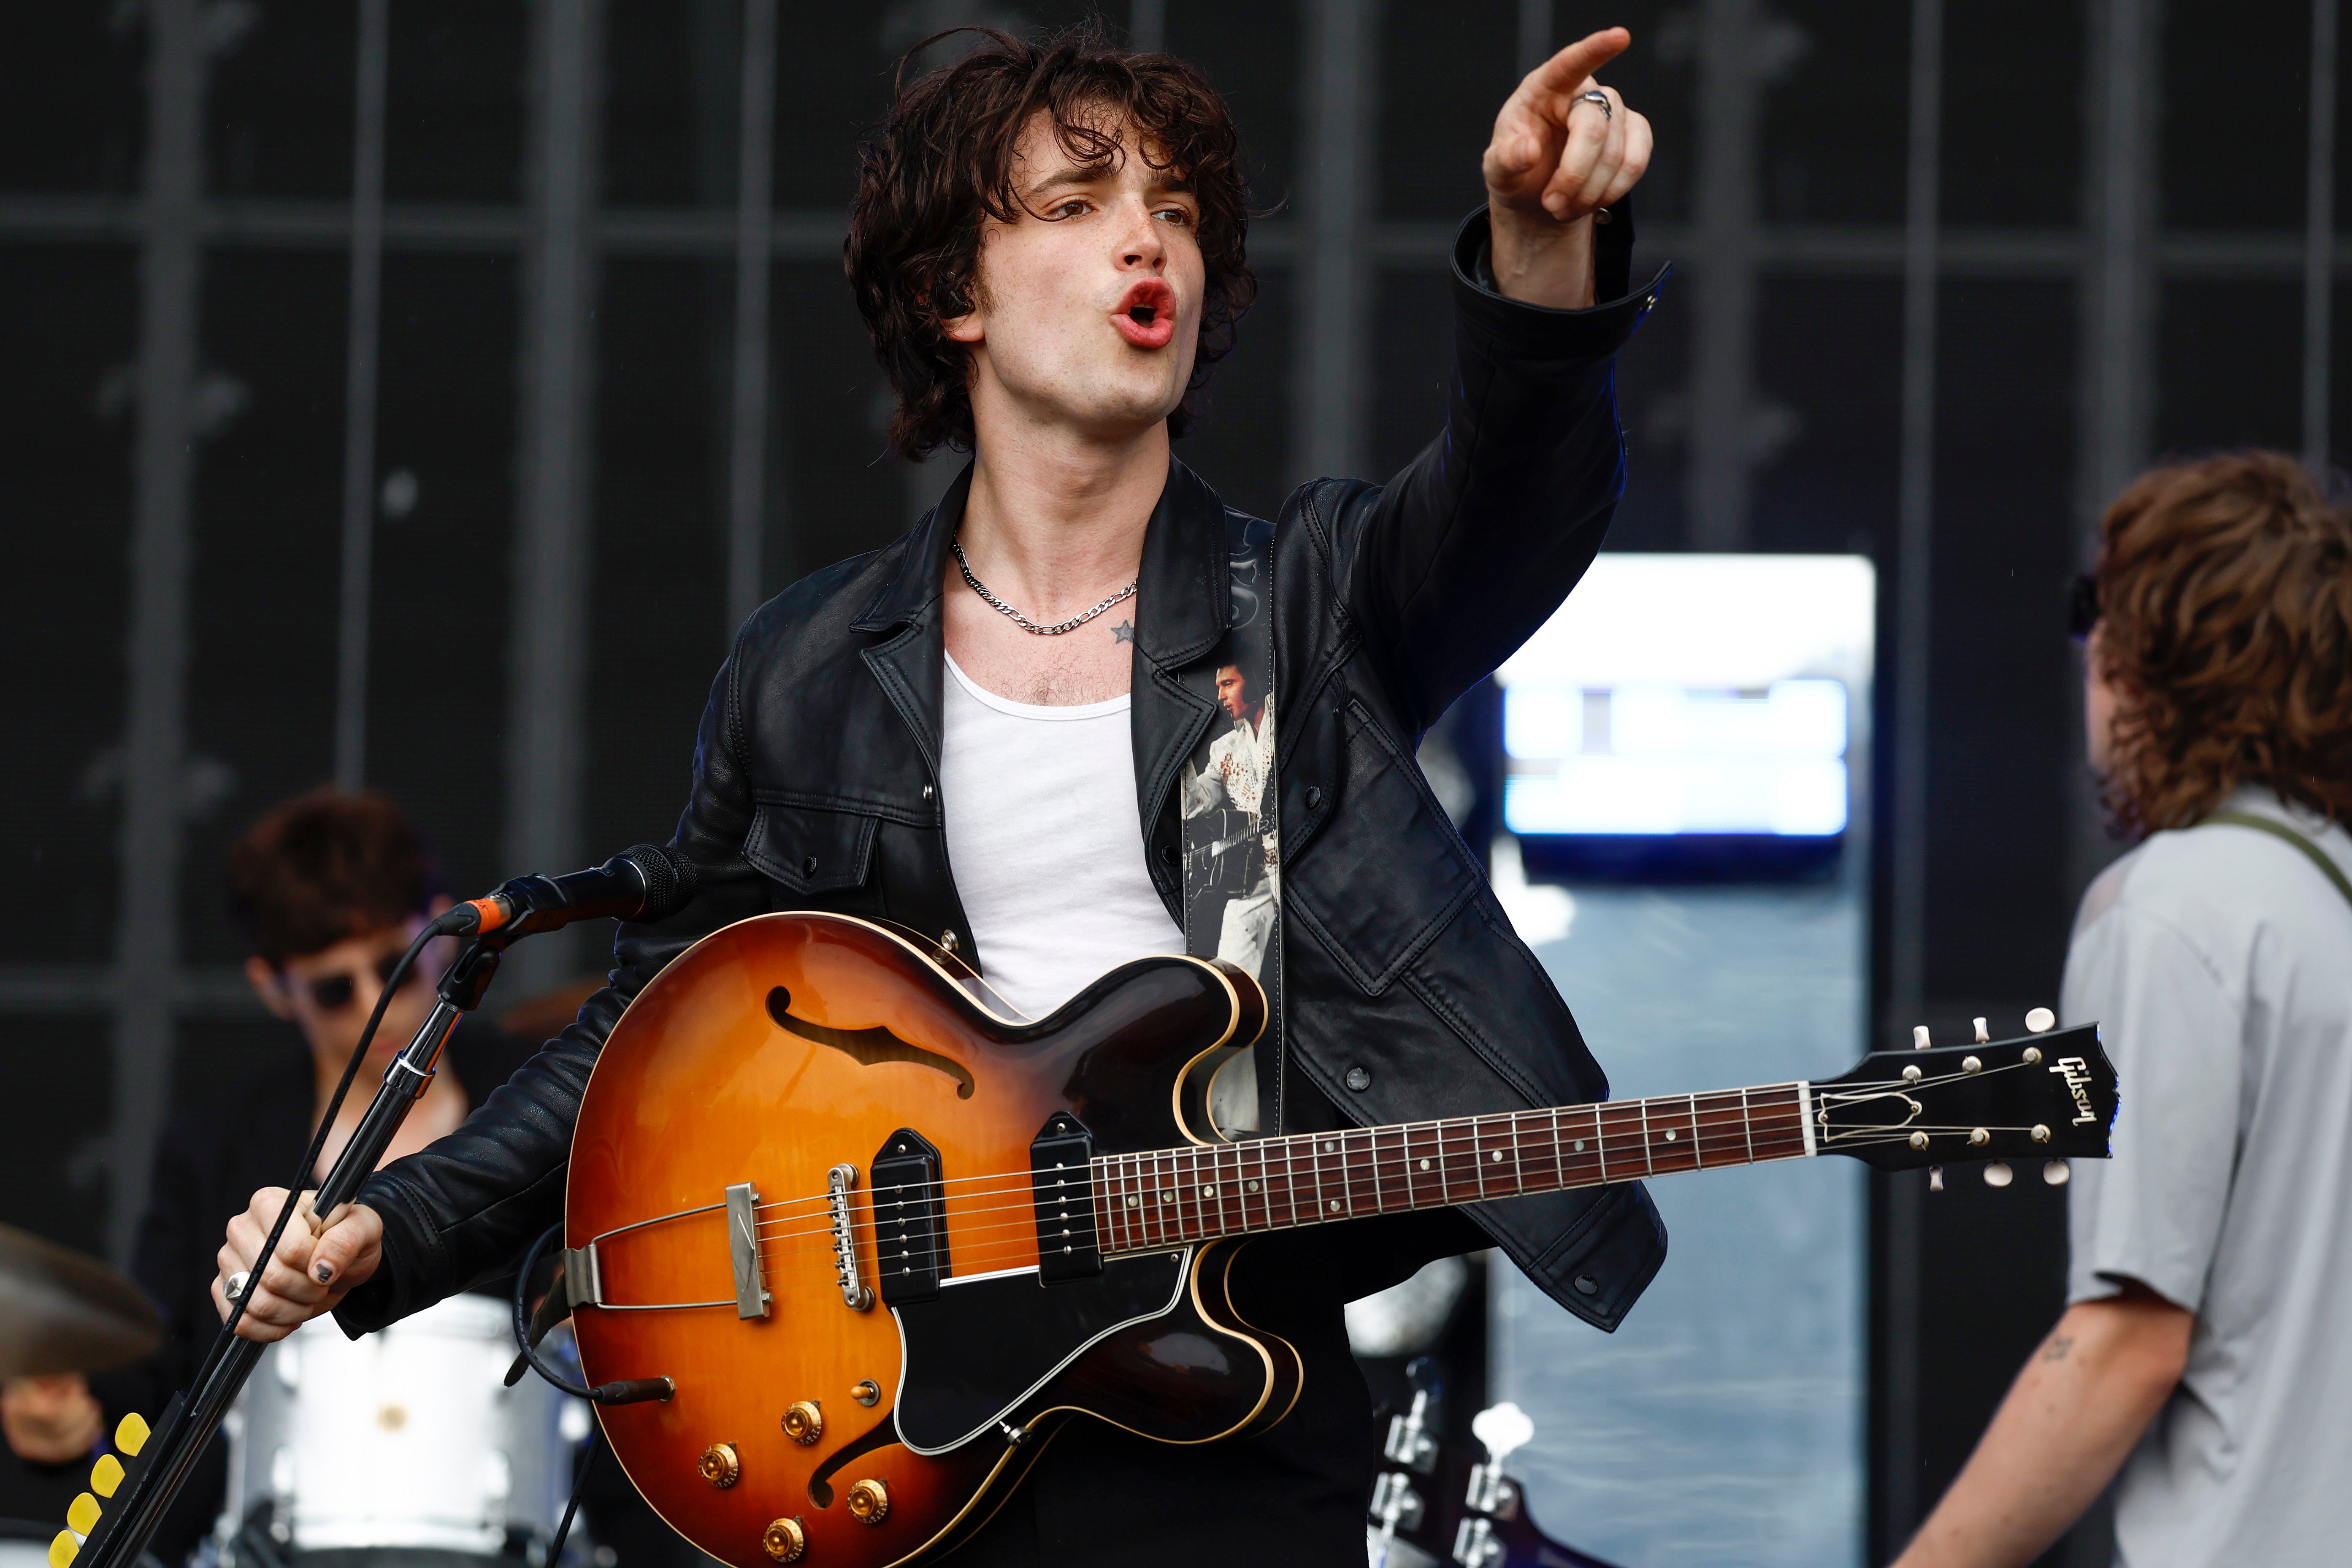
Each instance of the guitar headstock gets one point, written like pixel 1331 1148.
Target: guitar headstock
pixel 2046 1096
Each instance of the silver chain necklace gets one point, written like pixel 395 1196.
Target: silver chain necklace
pixel 1023 622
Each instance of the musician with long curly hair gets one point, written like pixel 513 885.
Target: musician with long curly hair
pixel 2205 1353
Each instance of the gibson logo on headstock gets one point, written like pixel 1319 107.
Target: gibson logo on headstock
pixel 2077 1074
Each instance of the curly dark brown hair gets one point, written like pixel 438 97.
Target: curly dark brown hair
pixel 2225 624
pixel 942 161
pixel 326 867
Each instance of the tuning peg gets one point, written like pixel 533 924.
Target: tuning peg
pixel 2040 1021
pixel 1502 1428
pixel 1998 1174
pixel 1983 1038
pixel 1918 1036
pixel 1935 1178
pixel 2057 1173
pixel 1420 1373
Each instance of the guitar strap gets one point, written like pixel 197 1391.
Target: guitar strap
pixel 2280 830
pixel 1233 859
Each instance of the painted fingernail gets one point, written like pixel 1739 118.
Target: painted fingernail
pixel 325 1272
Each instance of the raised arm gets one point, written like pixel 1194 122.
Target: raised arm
pixel 1464 554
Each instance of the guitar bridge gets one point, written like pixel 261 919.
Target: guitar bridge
pixel 855 1294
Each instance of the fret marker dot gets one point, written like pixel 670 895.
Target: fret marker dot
pixel 1252 1185
pixel 1424 1165
pixel 1670 1134
pixel 1580 1145
pixel 1209 1191
pixel 1335 1205
pixel 1134 1202
pixel 1496 1155
pixel 1168 1197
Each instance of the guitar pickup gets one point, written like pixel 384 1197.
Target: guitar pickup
pixel 910 1232
pixel 1061 1170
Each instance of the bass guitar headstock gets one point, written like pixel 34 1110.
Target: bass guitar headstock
pixel 1440 1502
pixel 2049 1095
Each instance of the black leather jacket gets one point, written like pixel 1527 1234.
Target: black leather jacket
pixel 815 786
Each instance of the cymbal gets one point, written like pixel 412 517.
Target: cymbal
pixel 60 1311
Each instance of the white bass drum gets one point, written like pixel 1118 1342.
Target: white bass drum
pixel 402 1439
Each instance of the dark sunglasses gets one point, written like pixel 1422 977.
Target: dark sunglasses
pixel 334 993
pixel 2081 607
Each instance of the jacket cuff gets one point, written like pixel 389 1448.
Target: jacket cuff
pixel 389 1293
pixel 1540 330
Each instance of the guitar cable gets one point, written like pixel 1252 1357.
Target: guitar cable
pixel 525 1340
pixel 531 1359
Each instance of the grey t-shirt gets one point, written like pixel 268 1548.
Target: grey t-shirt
pixel 2218 962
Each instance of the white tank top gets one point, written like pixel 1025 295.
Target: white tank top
pixel 1044 842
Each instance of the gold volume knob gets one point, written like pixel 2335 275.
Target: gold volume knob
pixel 785 1540
pixel 720 1466
pixel 869 1501
pixel 803 1423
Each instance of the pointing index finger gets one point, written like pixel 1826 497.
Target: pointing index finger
pixel 1567 69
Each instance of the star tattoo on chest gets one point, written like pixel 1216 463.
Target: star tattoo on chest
pixel 1123 632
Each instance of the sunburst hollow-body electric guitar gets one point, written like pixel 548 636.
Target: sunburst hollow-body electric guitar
pixel 881 1239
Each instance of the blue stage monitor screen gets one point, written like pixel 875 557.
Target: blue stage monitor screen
pixel 1714 695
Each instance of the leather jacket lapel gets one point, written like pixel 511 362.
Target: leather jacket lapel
pixel 914 587
pixel 912 666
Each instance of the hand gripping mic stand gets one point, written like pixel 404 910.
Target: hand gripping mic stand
pixel 526 905
pixel 189 1422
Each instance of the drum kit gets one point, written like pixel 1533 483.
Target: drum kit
pixel 484 1470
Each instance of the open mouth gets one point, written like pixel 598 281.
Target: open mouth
pixel 1146 316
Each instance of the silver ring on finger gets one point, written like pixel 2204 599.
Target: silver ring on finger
pixel 1608 111
pixel 233 1286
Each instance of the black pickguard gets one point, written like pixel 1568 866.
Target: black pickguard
pixel 978 1348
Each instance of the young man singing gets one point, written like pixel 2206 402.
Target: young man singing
pixel 986 732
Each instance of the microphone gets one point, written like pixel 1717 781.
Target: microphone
pixel 646 883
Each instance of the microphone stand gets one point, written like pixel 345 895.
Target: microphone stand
pixel 189 1422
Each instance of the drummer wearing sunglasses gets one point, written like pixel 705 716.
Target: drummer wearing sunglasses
pixel 331 888
pixel 328 996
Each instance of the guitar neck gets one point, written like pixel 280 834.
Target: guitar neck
pixel 1174 1197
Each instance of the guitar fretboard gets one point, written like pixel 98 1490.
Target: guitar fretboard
pixel 1174 1197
